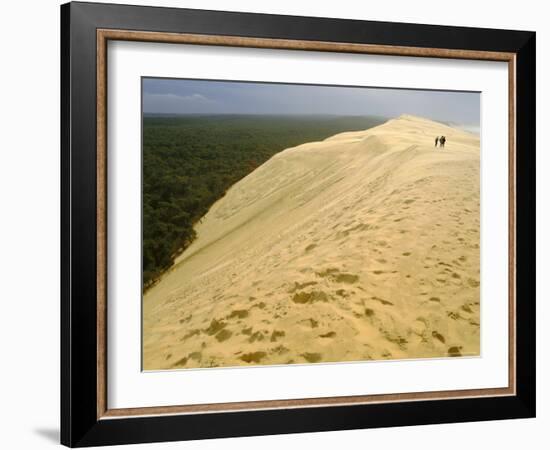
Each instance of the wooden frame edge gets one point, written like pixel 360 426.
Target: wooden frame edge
pixel 289 44
pixel 303 403
pixel 103 36
pixel 512 295
pixel 101 223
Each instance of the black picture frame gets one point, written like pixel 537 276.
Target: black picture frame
pixel 80 425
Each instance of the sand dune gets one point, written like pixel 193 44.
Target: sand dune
pixel 362 246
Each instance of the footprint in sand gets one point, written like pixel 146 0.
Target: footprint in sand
pixel 256 336
pixel 311 323
pixel 453 315
pixel 194 356
pixel 369 312
pixel 455 351
pixel 438 336
pixel 180 363
pixel 254 357
pixel 312 357
pixel 276 334
pixel 347 278
pixel 298 286
pixel 342 293
pixel 330 334
pixel 309 297
pixel 238 313
pixel 280 350
pixel 215 327
pixel 190 334
pixel 223 335
pixel 260 305
pixel 186 319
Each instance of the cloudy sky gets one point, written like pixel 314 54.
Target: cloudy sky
pixel 174 96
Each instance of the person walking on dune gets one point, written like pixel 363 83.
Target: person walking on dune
pixel 436 140
pixel 442 141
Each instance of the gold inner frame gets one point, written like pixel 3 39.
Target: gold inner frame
pixel 104 35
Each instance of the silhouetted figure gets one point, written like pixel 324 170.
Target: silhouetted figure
pixel 436 140
pixel 442 141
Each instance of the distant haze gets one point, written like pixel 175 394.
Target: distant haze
pixel 180 96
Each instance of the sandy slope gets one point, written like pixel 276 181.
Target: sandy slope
pixel 362 246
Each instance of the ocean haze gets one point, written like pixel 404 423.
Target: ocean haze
pixel 184 96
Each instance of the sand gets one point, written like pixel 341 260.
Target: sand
pixel 364 246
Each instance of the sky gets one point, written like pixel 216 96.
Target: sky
pixel 182 96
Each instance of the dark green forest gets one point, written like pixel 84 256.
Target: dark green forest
pixel 189 162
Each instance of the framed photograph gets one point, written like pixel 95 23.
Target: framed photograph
pixel 277 224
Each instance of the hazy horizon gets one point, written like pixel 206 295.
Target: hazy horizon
pixel 207 97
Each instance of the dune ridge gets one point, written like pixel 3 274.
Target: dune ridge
pixel 362 246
